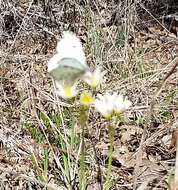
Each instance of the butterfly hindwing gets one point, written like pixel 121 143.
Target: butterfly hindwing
pixel 72 62
pixel 68 69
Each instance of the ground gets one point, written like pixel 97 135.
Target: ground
pixel 40 133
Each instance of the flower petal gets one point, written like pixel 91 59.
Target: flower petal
pixel 66 91
pixel 109 103
pixel 94 79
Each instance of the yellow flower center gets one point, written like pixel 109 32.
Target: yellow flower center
pixel 86 99
pixel 68 92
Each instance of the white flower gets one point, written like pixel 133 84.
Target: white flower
pixel 65 90
pixel 104 104
pixel 109 104
pixel 94 79
pixel 121 104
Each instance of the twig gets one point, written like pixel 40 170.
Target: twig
pixel 99 174
pixel 176 164
pixel 149 119
pixel 153 101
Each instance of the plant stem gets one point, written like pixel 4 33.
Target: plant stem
pixel 111 138
pixel 82 165
pixel 82 120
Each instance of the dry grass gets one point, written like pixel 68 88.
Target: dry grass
pixel 136 61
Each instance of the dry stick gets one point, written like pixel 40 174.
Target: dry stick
pixel 176 165
pixel 150 117
pixel 153 102
pixel 99 173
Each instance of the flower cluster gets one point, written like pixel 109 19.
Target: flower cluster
pixel 110 104
pixel 68 65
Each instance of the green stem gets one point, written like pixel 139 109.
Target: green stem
pixel 82 164
pixel 108 177
pixel 82 179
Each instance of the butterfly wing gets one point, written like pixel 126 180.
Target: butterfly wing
pixel 68 69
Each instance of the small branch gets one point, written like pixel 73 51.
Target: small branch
pixel 153 101
pixel 149 119
pixel 176 164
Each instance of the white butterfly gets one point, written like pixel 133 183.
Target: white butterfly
pixel 69 63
